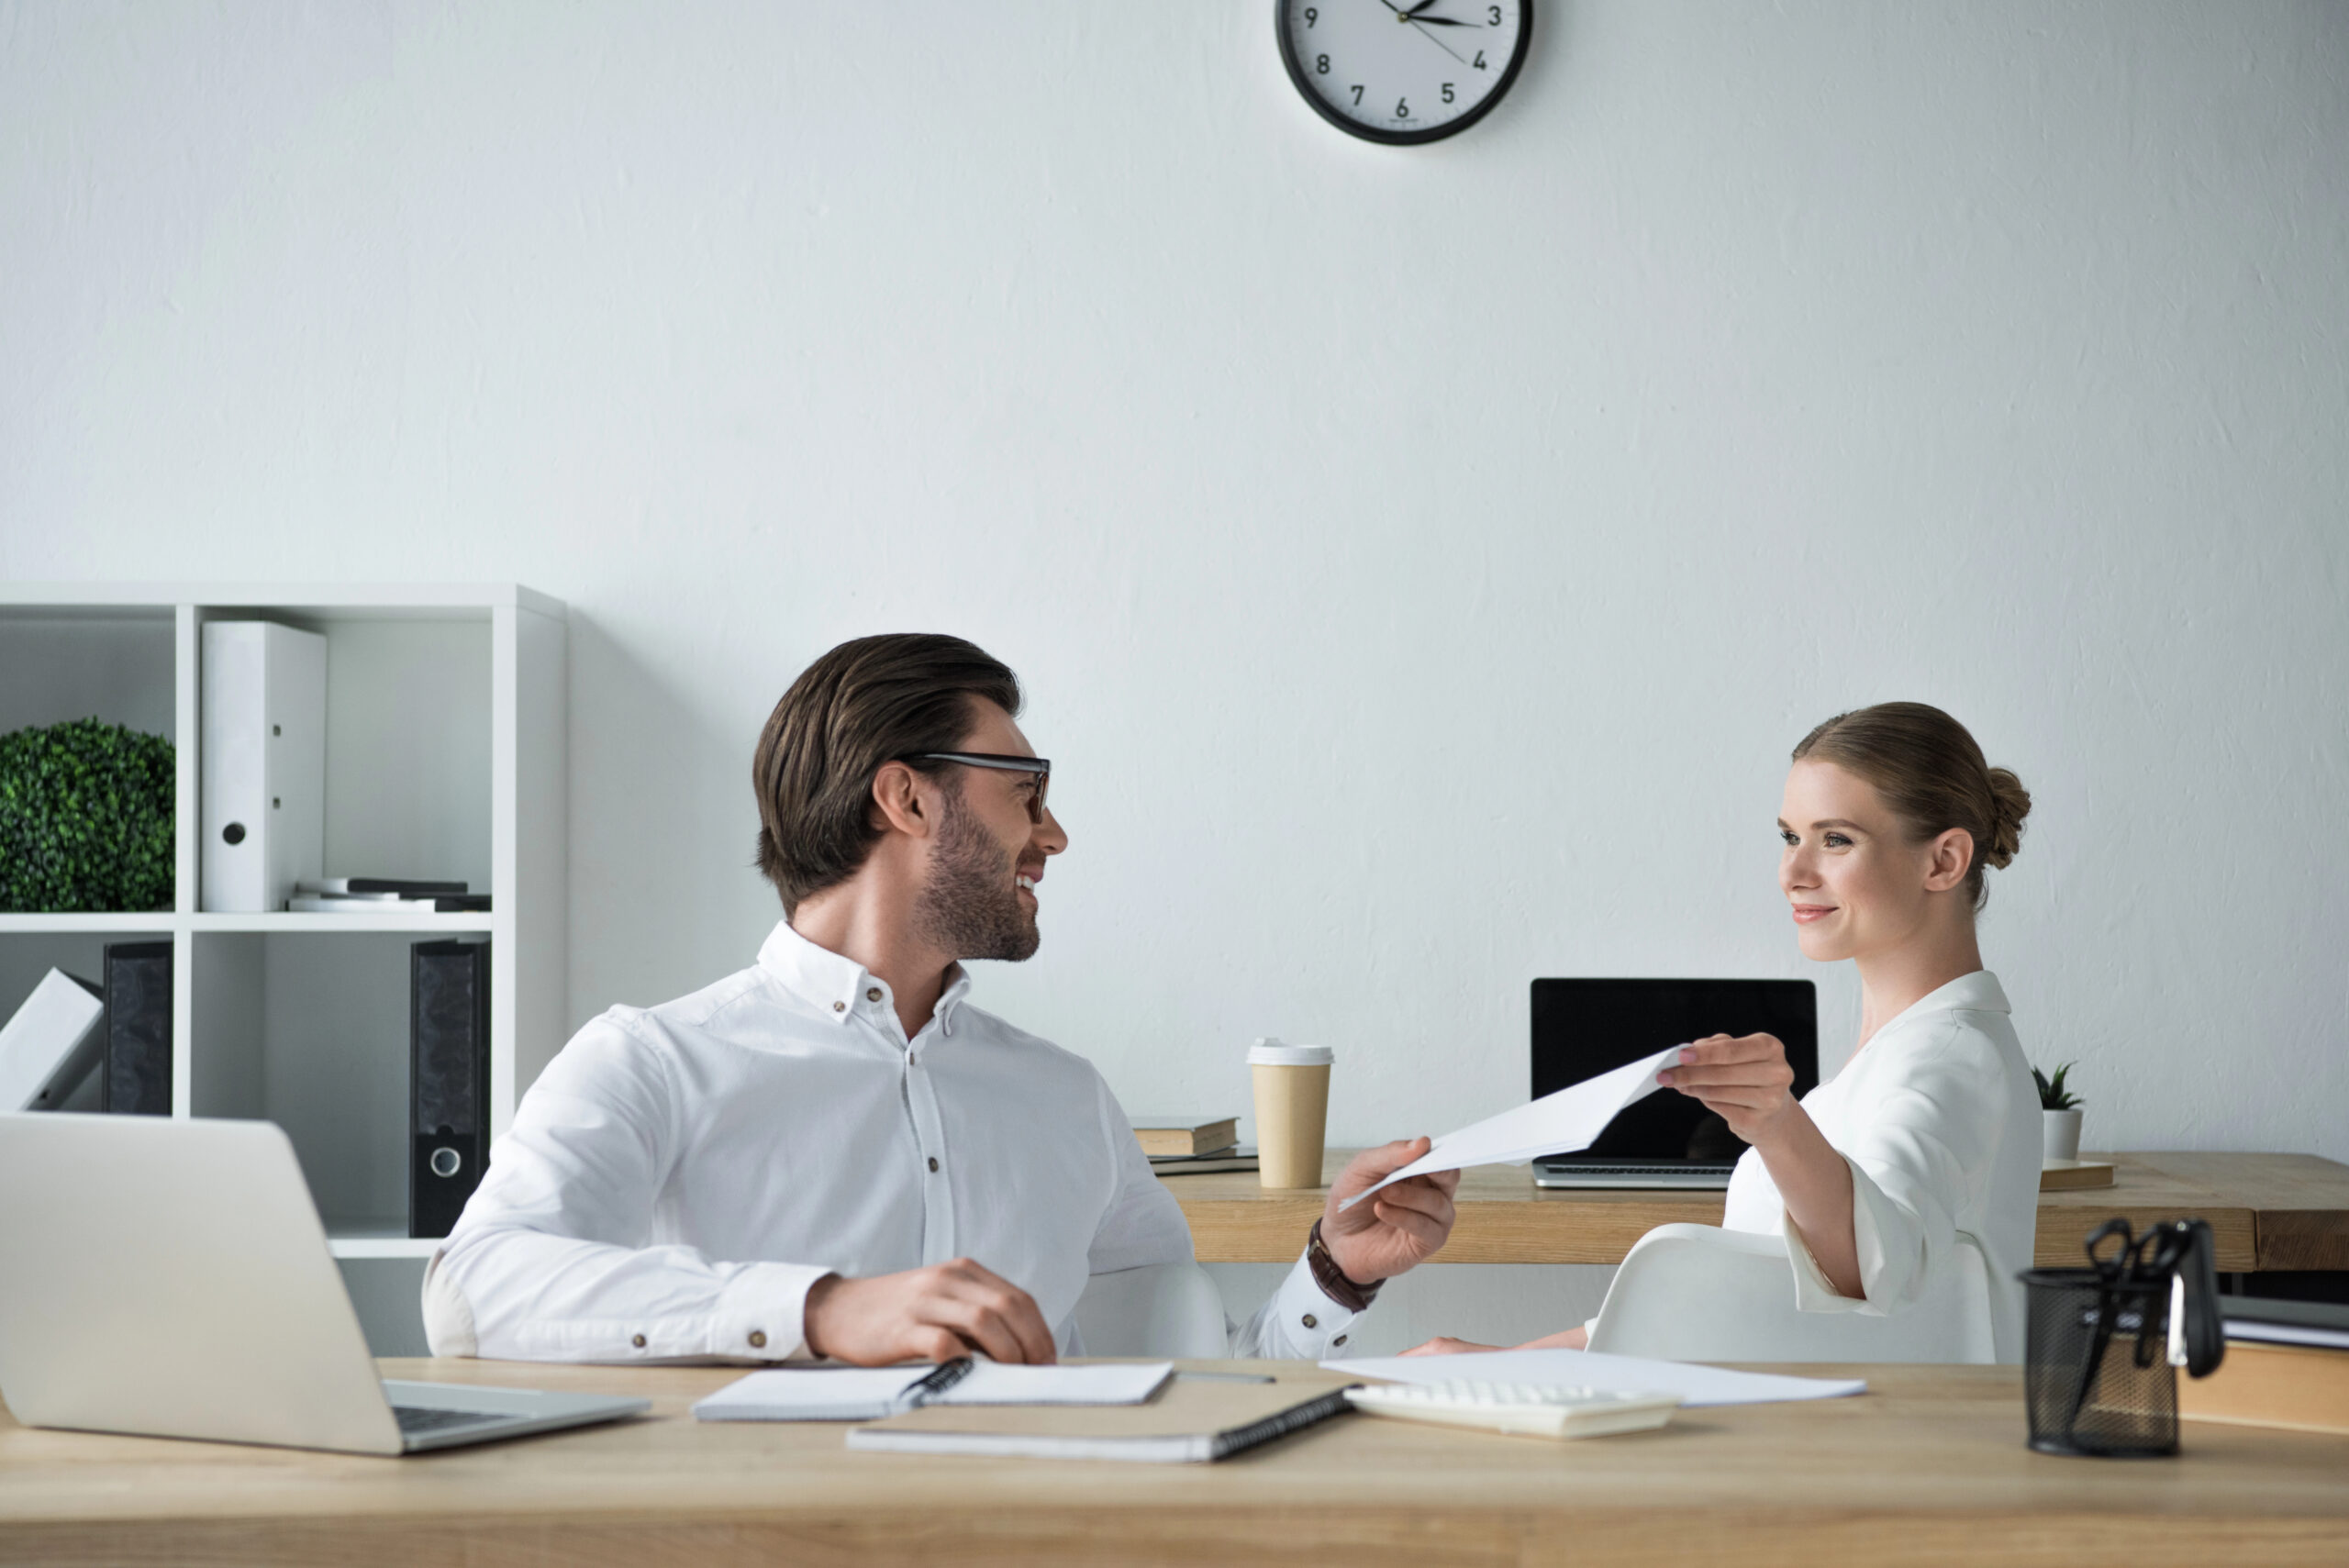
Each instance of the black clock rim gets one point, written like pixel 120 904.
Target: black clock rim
pixel 1298 79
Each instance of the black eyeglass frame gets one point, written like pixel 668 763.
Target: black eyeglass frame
pixel 1002 762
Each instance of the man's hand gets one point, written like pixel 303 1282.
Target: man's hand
pixel 930 1315
pixel 1745 1080
pixel 1398 1230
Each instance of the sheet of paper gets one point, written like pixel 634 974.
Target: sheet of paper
pixel 1621 1374
pixel 840 1392
pixel 1561 1123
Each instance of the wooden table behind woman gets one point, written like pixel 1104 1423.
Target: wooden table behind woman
pixel 2266 1211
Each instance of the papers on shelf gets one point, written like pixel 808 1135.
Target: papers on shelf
pixel 1696 1385
pixel 1562 1123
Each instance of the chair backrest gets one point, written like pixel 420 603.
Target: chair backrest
pixel 1700 1292
pixel 1162 1309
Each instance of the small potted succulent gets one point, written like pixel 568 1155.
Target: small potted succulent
pixel 2059 1115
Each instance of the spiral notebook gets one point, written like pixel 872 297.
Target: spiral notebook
pixel 1190 1422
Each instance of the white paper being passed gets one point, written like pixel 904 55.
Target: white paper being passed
pixel 1696 1385
pixel 1562 1123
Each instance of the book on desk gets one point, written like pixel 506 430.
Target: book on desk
pixel 1185 1138
pixel 2286 1365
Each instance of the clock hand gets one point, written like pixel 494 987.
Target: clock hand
pixel 1412 17
pixel 1441 22
pixel 1420 23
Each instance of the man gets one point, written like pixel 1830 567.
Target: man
pixel 832 1152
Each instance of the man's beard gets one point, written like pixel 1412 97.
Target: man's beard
pixel 970 906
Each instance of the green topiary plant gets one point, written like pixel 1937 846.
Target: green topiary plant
pixel 85 819
pixel 2053 1095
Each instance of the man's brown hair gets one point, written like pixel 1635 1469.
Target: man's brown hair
pixel 868 702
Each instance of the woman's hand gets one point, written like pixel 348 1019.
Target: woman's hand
pixel 1442 1345
pixel 1745 1080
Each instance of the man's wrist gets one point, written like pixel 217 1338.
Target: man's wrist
pixel 809 1307
pixel 1335 1283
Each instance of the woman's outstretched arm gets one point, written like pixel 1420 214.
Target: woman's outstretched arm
pixel 1748 1084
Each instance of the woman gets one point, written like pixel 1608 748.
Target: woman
pixel 1931 1130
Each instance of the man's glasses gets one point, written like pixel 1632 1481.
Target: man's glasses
pixel 1041 767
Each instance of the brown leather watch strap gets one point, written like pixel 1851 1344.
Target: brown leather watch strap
pixel 1332 1279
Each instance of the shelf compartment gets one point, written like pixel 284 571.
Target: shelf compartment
pixel 60 663
pixel 408 738
pixel 29 953
pixel 309 1029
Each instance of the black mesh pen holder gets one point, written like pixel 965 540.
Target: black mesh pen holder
pixel 2097 1376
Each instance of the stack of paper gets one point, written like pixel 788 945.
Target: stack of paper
pixel 1696 1385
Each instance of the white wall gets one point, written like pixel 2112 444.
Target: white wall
pixel 1422 560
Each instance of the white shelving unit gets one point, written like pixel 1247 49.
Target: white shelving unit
pixel 446 742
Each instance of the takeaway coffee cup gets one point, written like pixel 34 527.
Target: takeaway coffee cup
pixel 1292 1110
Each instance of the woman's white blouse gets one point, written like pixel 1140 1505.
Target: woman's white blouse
pixel 1939 1120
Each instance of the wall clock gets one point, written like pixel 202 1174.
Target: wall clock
pixel 1403 70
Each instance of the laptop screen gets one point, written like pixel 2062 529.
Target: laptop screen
pixel 1582 1028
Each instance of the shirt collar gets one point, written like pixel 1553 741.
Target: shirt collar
pixel 836 985
pixel 1977 993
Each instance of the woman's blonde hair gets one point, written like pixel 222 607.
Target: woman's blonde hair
pixel 1932 775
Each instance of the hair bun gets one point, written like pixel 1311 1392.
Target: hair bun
pixel 2009 804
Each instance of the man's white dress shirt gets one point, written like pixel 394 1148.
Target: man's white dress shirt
pixel 1938 1118
pixel 679 1175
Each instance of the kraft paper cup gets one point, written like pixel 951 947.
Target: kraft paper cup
pixel 1292 1111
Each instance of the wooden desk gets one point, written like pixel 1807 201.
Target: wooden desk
pixel 2266 1211
pixel 1928 1467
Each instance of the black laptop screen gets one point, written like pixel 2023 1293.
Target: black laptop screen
pixel 1582 1028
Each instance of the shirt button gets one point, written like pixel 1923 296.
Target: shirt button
pixel 1339 1340
pixel 1311 1321
pixel 873 994
pixel 637 1340
pixel 839 1006
pixel 758 1338
pixel 933 1162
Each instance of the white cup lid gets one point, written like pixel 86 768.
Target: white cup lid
pixel 1270 1052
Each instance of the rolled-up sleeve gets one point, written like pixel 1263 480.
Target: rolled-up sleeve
pixel 1913 1160
pixel 548 1261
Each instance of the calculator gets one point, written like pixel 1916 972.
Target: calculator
pixel 1525 1410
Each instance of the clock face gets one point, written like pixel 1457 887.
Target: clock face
pixel 1403 70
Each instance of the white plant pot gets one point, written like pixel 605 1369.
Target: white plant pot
pixel 2059 1133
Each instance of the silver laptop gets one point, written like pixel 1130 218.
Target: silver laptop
pixel 170 1278
pixel 1584 1028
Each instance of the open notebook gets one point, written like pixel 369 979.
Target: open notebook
pixel 865 1394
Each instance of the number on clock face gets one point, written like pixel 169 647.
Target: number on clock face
pixel 1403 70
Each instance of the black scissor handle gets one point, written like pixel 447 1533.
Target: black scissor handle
pixel 2114 1267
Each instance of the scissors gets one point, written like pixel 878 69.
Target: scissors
pixel 2175 1256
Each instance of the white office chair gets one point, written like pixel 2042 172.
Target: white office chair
pixel 1166 1310
pixel 1700 1292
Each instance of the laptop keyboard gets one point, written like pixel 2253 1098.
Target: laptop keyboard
pixel 417 1418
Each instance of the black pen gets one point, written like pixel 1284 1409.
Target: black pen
pixel 940 1378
